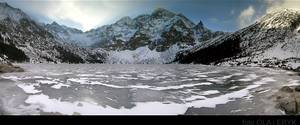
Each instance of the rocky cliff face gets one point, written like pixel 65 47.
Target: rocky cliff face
pixel 272 41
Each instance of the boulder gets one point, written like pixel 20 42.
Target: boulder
pixel 297 88
pixel 286 89
pixel 6 68
pixel 297 69
pixel 289 106
pixel 297 98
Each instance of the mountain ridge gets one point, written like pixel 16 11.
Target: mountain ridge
pixel 272 42
pixel 160 37
pixel 24 40
pixel 161 34
pixel 144 29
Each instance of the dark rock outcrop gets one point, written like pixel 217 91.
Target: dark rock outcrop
pixel 6 68
pixel 286 89
pixel 288 99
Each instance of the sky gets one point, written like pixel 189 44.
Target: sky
pixel 222 15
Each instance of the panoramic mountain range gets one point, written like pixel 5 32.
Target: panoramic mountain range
pixel 160 37
pixel 148 38
pixel 159 30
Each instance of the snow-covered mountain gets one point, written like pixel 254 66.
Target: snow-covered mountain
pixel 24 40
pixel 157 33
pixel 273 41
pixel 159 30
pixel 160 37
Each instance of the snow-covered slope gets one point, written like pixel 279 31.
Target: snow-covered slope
pixel 69 35
pixel 271 41
pixel 23 40
pixel 142 55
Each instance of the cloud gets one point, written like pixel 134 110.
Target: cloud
pixel 85 15
pixel 232 12
pixel 280 4
pixel 249 15
pixel 89 14
pixel 246 17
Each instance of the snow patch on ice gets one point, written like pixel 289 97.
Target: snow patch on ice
pixel 210 92
pixel 85 75
pixel 29 88
pixel 294 82
pixel 84 81
pixel 59 85
pixel 170 87
pixel 46 82
pixel 194 97
pixel 264 81
pixel 88 108
pixel 233 87
pixel 249 78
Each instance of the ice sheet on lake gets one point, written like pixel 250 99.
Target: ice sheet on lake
pixel 87 108
pixel 164 90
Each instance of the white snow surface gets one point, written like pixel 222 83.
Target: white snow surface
pixel 142 55
pixel 29 88
pixel 92 108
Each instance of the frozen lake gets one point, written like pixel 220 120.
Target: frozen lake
pixel 90 89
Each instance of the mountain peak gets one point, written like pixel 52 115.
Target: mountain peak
pixel 125 20
pixel 159 9
pixel 281 18
pixel 7 11
pixel 200 26
pixel 159 12
pixel 287 10
pixel 4 4
pixel 54 23
pixel 200 23
pixel 284 12
pixel 57 27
